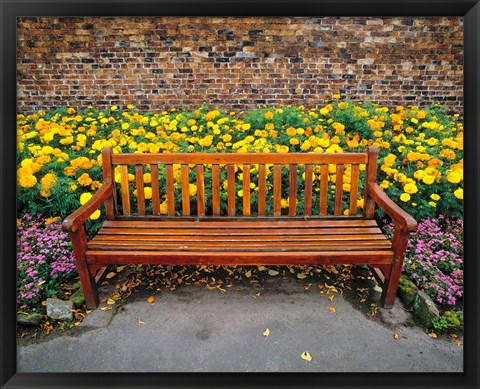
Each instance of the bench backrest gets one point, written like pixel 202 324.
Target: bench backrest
pixel 238 184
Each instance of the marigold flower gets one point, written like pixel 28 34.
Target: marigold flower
pixel 405 197
pixel 435 197
pixel 84 179
pixel 268 115
pixel 95 215
pixel 27 181
pixel 410 188
pixel 459 193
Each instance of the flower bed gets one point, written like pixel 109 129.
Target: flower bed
pixel 420 163
pixel 44 259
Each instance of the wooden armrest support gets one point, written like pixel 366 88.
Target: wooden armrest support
pixel 406 222
pixel 77 218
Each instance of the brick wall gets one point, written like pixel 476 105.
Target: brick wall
pixel 237 63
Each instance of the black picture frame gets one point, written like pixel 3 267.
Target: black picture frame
pixel 10 10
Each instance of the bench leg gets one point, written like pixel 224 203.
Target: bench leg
pixel 390 285
pixel 89 286
pixel 399 245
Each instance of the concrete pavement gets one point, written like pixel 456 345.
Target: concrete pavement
pixel 197 330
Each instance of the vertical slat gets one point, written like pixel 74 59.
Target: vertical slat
pixel 371 176
pixel 339 190
pixel 140 190
pixel 216 190
pixel 323 189
pixel 155 189
pixel 246 190
pixel 170 189
pixel 277 190
pixel 354 190
pixel 308 190
pixel 108 176
pixel 231 189
pixel 125 189
pixel 292 204
pixel 262 189
pixel 200 191
pixel 185 191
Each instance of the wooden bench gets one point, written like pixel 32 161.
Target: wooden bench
pixel 210 224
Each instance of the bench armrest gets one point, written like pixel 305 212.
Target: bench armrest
pixel 77 218
pixel 406 222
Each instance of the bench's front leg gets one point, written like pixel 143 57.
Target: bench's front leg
pixel 89 286
pixel 399 245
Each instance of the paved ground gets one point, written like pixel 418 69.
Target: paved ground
pixel 197 330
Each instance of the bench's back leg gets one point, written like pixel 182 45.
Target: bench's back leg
pixel 89 287
pixel 399 245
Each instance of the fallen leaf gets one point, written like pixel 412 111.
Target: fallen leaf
pixel 110 301
pixel 306 356
pixel 273 273
pixel 395 336
pixel 110 275
pixel 331 297
pixel 140 322
pixel 333 309
pixel 106 308
pixel 376 288
pixel 432 335
pixel 266 332
pixel 262 268
pixel 301 276
pixel 151 299
pixel 248 274
pixel 120 268
pixel 363 300
pixel 459 344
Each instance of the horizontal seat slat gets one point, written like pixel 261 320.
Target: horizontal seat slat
pixel 239 231
pixel 244 239
pixel 229 246
pixel 97 257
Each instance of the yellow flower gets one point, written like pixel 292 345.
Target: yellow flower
pixel 435 196
pixel 84 179
pixel 405 197
pixel 410 188
pixel 294 141
pixel 428 179
pixel 27 181
pixel 385 184
pixel 95 215
pixel 459 193
pixel 84 197
pixel 324 111
pixel 51 220
pixel 454 177
pixel 269 115
pixel 306 145
pixel 71 111
pixel 336 96
pixel 147 178
pixel 291 131
pixel 113 108
pixel 432 204
pixel 269 126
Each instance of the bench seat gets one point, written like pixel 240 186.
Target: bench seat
pixel 279 242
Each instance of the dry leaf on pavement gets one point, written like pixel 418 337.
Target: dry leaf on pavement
pixel 306 356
